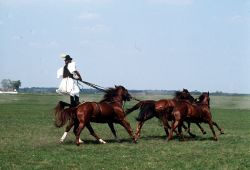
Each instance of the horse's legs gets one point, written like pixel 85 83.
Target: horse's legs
pixel 177 121
pixel 174 126
pixel 215 124
pixel 91 131
pixel 180 130
pixel 212 129
pixel 202 130
pixel 111 126
pixel 127 126
pixel 78 132
pixel 188 130
pixel 68 127
pixel 140 124
pixel 165 124
pixel 138 129
pixel 76 125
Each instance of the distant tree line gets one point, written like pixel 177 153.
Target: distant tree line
pixel 10 85
pixel 146 92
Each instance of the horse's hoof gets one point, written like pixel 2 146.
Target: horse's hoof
pixel 221 132
pixel 102 141
pixel 204 133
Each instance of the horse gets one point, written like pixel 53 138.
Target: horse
pixel 108 110
pixel 160 109
pixel 193 112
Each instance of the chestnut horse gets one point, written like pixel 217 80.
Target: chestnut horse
pixel 196 113
pixel 160 109
pixel 108 110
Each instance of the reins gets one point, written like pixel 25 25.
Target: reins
pixel 97 87
pixel 100 88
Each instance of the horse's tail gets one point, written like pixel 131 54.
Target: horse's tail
pixel 62 115
pixel 135 107
pixel 146 110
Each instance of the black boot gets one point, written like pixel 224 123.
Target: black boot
pixel 77 101
pixel 72 101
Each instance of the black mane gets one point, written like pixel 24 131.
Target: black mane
pixel 109 94
pixel 202 96
pixel 178 94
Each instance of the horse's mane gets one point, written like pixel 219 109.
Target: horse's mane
pixel 110 93
pixel 185 90
pixel 177 94
pixel 202 97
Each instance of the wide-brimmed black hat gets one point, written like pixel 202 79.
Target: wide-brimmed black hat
pixel 67 58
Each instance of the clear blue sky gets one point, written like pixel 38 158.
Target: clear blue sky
pixel 140 44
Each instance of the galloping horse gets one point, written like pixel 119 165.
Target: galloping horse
pixel 196 113
pixel 108 110
pixel 160 109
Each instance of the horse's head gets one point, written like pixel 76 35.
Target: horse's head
pixel 123 93
pixel 184 95
pixel 117 93
pixel 204 98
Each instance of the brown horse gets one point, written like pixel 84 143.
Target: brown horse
pixel 160 109
pixel 196 113
pixel 109 110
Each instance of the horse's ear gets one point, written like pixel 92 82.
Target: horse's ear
pixel 208 93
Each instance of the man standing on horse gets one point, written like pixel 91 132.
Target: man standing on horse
pixel 68 84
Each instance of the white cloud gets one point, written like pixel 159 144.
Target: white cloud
pixel 89 16
pixel 171 2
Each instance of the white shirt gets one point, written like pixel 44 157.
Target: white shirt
pixel 71 68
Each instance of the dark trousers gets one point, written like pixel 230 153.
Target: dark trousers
pixel 74 101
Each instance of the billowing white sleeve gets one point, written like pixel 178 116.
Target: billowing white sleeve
pixel 72 67
pixel 60 73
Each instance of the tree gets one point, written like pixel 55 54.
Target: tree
pixel 16 84
pixel 7 84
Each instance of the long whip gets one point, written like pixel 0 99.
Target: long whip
pixel 100 88
pixel 94 86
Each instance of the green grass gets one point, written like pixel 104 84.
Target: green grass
pixel 29 140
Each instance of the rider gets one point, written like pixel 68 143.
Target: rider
pixel 68 84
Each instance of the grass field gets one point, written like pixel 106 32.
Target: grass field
pixel 29 140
